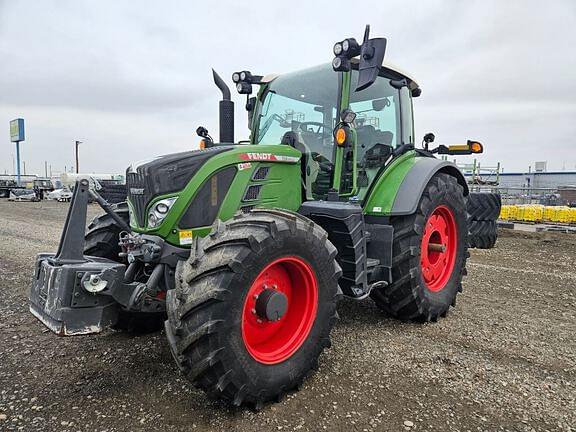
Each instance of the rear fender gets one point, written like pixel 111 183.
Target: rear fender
pixel 398 189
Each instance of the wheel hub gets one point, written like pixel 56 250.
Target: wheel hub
pixel 438 248
pixel 271 305
pixel 279 309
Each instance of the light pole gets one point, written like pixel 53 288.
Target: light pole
pixel 77 164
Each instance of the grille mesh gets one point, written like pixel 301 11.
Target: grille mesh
pixel 261 173
pixel 135 183
pixel 252 193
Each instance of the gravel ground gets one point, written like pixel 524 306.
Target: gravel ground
pixel 504 359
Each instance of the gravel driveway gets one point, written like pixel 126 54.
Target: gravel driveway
pixel 504 359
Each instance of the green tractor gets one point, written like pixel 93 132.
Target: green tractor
pixel 243 249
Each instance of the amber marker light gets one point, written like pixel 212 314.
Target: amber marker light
pixel 340 136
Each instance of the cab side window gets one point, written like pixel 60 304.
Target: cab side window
pixel 377 111
pixel 377 125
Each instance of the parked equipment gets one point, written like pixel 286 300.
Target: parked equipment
pixel 62 195
pixel 6 185
pixel 22 195
pixel 246 247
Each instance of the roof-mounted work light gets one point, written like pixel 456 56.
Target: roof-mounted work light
pixel 244 81
pixel 344 51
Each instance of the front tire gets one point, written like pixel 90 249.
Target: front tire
pixel 429 254
pixel 222 316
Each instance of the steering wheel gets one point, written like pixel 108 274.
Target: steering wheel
pixel 320 126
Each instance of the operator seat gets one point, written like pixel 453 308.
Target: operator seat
pixel 309 166
pixel 368 137
pixel 312 164
pixel 374 149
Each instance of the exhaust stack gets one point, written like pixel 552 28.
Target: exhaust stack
pixel 226 111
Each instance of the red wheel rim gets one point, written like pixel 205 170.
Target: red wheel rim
pixel 438 248
pixel 272 342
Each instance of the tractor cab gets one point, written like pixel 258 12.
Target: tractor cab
pixel 304 109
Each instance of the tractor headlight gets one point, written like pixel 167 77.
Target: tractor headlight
pixel 159 211
pixel 236 77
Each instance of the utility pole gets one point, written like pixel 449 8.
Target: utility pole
pixel 45 169
pixel 77 163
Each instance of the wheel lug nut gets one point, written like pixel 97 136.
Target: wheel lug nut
pixel 255 296
pixel 274 286
pixel 259 321
pixel 253 311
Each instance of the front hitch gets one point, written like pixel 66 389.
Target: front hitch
pixel 77 294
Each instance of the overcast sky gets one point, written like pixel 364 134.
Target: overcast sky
pixel 132 79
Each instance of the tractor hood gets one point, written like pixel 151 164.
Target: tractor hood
pixel 163 175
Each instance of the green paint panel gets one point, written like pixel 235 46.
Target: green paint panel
pixel 281 188
pixel 382 196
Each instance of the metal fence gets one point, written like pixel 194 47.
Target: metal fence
pixel 528 195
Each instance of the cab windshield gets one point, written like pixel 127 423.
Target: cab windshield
pixel 302 107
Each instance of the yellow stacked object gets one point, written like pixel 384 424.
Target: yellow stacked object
pixel 549 213
pixel 538 213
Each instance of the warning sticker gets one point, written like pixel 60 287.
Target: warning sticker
pixel 185 237
pixel 243 166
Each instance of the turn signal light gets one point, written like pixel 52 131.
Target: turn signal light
pixel 475 147
pixel 340 136
pixel 470 147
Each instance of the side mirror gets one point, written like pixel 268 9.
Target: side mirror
pixel 429 138
pixel 371 57
pixel 380 104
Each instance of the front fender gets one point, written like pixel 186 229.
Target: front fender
pixel 398 189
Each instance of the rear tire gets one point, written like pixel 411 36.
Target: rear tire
pixel 101 240
pixel 412 295
pixel 213 331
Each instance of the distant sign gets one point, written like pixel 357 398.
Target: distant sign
pixel 17 130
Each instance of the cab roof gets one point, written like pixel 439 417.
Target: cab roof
pixel 386 66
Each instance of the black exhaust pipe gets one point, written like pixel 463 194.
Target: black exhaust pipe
pixel 226 111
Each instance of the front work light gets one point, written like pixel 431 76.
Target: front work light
pixel 344 51
pixel 244 87
pixel 341 64
pixel 337 49
pixel 350 47
pixel 158 211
